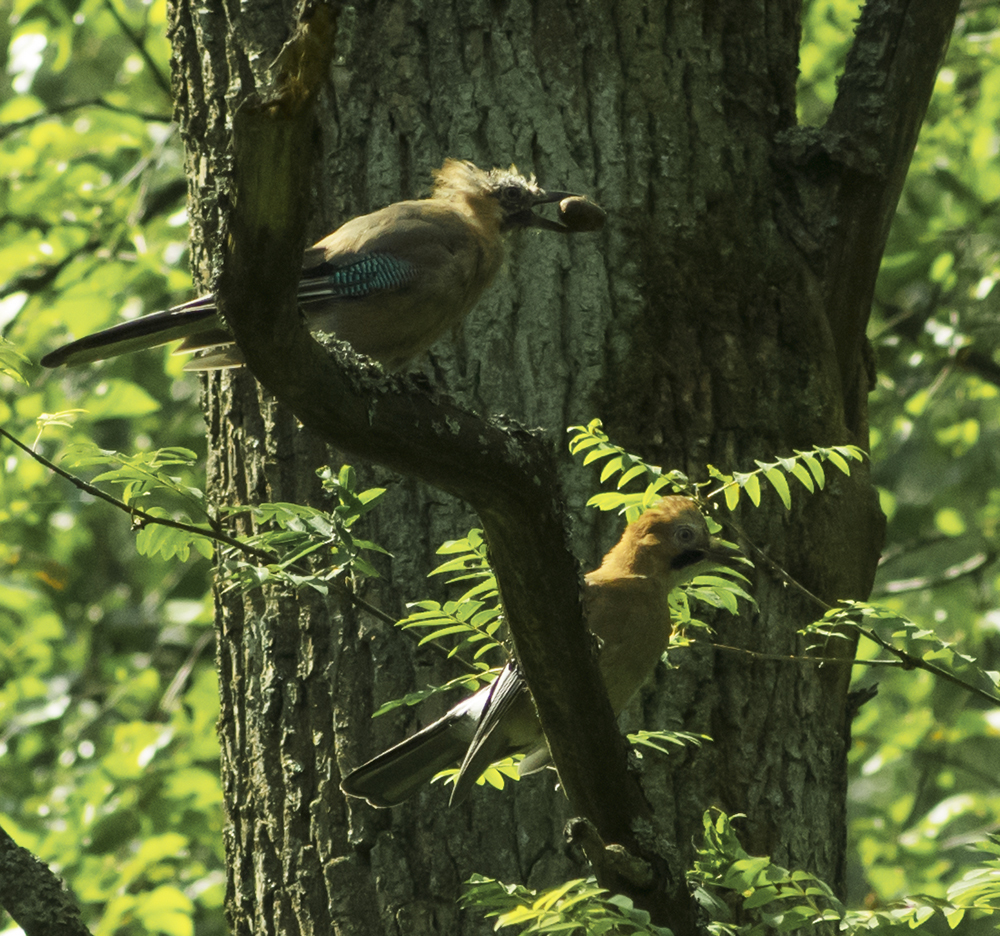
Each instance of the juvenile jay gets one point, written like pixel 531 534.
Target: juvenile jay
pixel 625 606
pixel 390 282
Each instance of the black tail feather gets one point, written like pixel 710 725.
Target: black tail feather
pixel 147 331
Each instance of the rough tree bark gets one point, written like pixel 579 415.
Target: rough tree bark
pixel 719 318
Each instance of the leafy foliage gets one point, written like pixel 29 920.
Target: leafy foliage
pixel 593 444
pixel 120 790
pixel 468 682
pixel 496 775
pixel 476 616
pixel 979 889
pixel 92 201
pixel 163 497
pixel 740 894
pixel 13 364
pixel 293 533
pixel 912 646
pixel 915 646
pixel 656 739
pixel 807 467
pixel 108 759
pixel 923 763
pixel 473 621
pixel 721 590
pixel 577 906
pixel 142 474
pixel 752 896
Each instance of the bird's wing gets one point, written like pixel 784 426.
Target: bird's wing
pixel 507 726
pixel 355 276
pixel 391 283
pixel 423 239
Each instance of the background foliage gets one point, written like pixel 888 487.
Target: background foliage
pixel 108 702
pixel 107 695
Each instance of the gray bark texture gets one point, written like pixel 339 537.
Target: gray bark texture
pixel 718 318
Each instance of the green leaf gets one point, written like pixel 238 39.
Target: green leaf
pixel 607 501
pixel 656 739
pixel 120 399
pixel 954 916
pixel 760 896
pixel 804 476
pixel 611 468
pixel 751 484
pixel 814 466
pixel 634 472
pixel 834 456
pixel 12 362
pixel 744 873
pixel 780 485
pixel 732 494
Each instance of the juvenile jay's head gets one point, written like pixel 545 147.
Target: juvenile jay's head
pixel 668 540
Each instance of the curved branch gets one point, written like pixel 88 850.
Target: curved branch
pixel 882 99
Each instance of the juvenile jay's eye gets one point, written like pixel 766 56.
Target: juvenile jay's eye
pixel 685 535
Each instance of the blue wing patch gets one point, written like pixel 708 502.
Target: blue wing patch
pixel 368 274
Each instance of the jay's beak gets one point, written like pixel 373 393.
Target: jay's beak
pixel 576 211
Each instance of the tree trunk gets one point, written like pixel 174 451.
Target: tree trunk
pixel 719 318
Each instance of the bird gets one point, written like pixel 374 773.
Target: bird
pixel 625 603
pixel 390 283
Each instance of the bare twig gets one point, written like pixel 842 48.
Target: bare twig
pixel 793 658
pixel 912 662
pixel 140 46
pixel 56 110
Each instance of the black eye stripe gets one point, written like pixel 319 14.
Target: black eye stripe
pixel 687 558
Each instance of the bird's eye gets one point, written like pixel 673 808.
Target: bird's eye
pixel 510 192
pixel 685 535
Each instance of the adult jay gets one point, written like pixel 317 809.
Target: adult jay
pixel 390 282
pixel 625 606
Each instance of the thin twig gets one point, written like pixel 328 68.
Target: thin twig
pixel 785 576
pixel 792 658
pixel 135 512
pixel 911 662
pixel 56 110
pixel 140 46
pixel 213 533
pixel 169 699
